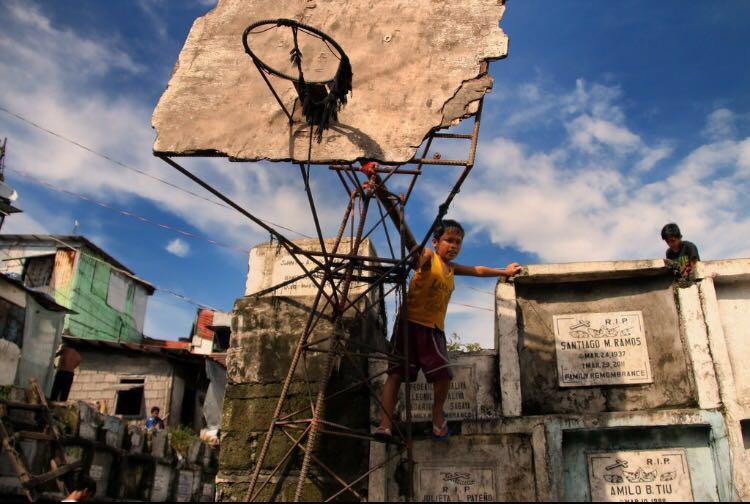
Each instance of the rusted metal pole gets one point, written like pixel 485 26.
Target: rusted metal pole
pixel 337 323
pixel 404 316
pixel 282 397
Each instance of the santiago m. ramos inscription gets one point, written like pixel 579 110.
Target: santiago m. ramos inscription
pixel 601 349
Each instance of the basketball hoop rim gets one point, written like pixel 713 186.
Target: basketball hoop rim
pixel 292 24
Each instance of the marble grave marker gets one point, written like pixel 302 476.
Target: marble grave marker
pixel 601 349
pixel 643 476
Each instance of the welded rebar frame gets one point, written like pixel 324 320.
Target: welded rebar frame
pixel 332 275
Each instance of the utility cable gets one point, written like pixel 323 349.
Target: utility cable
pixel 471 306
pixel 478 290
pixel 128 274
pixel 131 168
pixel 126 213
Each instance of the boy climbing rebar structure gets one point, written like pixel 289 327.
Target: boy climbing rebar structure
pixel 339 265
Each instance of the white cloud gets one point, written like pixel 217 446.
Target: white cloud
pixel 589 133
pixel 585 198
pixel 50 76
pixel 178 247
pixel 650 156
pixel 720 124
pixel 23 223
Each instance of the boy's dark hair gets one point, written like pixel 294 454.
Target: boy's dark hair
pixel 670 229
pixel 155 408
pixel 445 224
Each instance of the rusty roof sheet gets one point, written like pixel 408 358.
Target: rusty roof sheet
pixel 156 349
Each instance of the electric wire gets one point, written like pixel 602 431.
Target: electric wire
pixel 138 217
pixel 126 213
pixel 131 168
pixel 471 306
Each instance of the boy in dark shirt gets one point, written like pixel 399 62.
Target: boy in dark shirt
pixel 682 252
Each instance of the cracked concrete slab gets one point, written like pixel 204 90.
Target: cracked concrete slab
pixel 417 66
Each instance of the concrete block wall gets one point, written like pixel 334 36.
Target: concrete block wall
pixel 95 381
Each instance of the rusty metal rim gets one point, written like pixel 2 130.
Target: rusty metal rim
pixel 291 24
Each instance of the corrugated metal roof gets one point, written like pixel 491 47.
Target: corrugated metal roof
pixel 162 349
pixel 205 319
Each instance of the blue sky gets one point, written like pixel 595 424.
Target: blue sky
pixel 607 120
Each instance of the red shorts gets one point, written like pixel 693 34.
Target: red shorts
pixel 427 351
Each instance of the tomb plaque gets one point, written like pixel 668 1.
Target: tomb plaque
pixel 640 476
pixel 162 483
pixel 462 397
pixel 456 484
pixel 184 486
pixel 601 349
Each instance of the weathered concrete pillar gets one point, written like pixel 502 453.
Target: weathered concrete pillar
pixel 265 332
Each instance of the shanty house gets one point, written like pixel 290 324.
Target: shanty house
pixel 128 379
pixel 109 301
pixel 31 325
pixel 211 332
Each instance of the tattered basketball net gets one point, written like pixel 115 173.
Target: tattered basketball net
pixel 320 100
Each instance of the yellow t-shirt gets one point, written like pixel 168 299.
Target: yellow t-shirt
pixel 429 293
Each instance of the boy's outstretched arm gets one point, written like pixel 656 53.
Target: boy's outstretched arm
pixel 486 271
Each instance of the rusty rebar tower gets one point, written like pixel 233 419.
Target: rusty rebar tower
pixel 333 272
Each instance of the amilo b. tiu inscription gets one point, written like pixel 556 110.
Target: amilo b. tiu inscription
pixel 601 349
pixel 640 476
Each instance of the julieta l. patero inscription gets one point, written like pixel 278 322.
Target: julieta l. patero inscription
pixel 456 484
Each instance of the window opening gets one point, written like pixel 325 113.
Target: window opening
pixel 221 339
pixel 39 271
pixel 100 280
pixel 130 397
pixel 12 321
pixel 117 292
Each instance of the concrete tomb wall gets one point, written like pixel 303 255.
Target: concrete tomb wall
pixel 734 309
pixel 666 377
pixel 608 382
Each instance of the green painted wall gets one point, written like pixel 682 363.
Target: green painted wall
pixel 88 296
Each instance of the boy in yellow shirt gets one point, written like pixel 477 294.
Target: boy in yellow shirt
pixel 427 302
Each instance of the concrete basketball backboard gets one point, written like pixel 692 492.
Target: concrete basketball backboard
pixel 417 66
